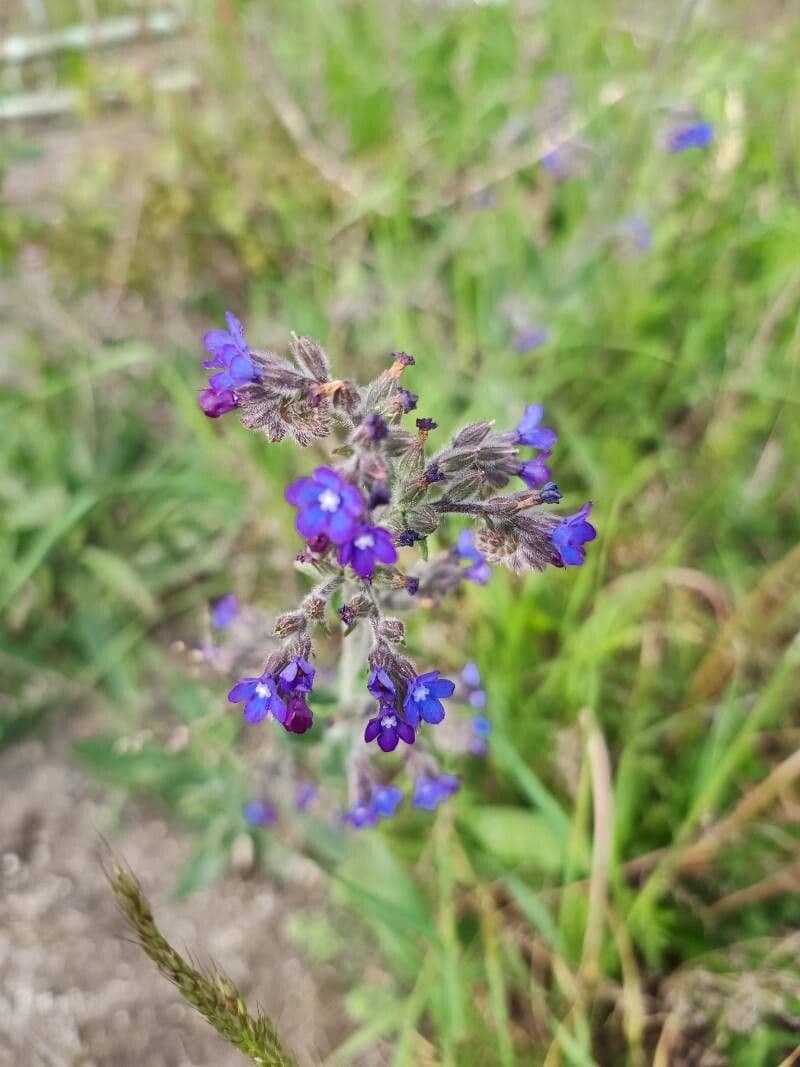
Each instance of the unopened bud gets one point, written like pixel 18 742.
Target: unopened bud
pixel 291 622
pixel 393 630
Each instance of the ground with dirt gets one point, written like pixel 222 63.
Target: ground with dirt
pixel 73 990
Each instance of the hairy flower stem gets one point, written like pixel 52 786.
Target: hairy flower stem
pixel 213 994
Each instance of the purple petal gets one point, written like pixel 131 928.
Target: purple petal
pixel 406 733
pixel 311 521
pixel 301 493
pixel 255 710
pixel 387 739
pixel 443 687
pixel 432 711
pixel 372 730
pixel 243 690
pixel 342 526
pixel 384 550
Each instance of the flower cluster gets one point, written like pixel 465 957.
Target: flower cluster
pixel 367 518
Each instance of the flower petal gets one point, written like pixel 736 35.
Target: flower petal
pixel 243 690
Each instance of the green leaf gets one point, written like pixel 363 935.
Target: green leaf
pixel 516 837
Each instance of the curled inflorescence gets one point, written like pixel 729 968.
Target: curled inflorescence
pixel 385 490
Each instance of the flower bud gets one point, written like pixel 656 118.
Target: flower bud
pixel 291 622
pixel 393 630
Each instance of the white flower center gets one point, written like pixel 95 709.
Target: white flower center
pixel 328 500
pixel 262 690
pixel 420 693
pixel 365 541
pixel 388 721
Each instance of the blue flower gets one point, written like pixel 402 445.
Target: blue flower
pixel 297 676
pixel 327 505
pixel 259 813
pixel 389 729
pixel 304 796
pixel 691 135
pixel 213 403
pixel 381 686
pixel 481 726
pixel 229 350
pixel 479 570
pixel 260 698
pixel 383 804
pixel 549 493
pixel 359 816
pixel 368 546
pixel 471 676
pixel 424 698
pixel 535 472
pixel 570 536
pixel 530 432
pixel 528 338
pixel 386 800
pixel 430 792
pixel 224 611
pixel 406 400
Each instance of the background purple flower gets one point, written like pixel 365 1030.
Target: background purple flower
pixel 570 536
pixel 690 135
pixel 359 816
pixel 224 611
pixel 369 546
pixel 531 432
pixel 259 813
pixel 327 504
pixel 528 338
pixel 479 570
pixel 386 800
pixel 430 792
pixel 424 698
pixel 260 698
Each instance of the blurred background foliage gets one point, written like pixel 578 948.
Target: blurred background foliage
pixel 370 173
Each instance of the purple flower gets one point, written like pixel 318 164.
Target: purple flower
pixel 299 717
pixel 379 496
pixel 229 350
pixel 570 536
pixel 327 505
pixel 214 404
pixel 408 400
pixel 424 698
pixel 381 686
pixel 549 493
pixel 430 792
pixel 259 813
pixel 407 538
pixel 224 611
pixel 386 800
pixel 637 231
pixel 471 676
pixel 477 698
pixel 529 431
pixel 369 545
pixel 691 135
pixel 305 795
pixel 359 816
pixel 535 472
pixel 260 697
pixel 479 570
pixel 375 427
pixel 412 586
pixel 528 338
pixel 425 425
pixel 388 728
pixel 297 676
pixel 481 726
pixel 433 474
